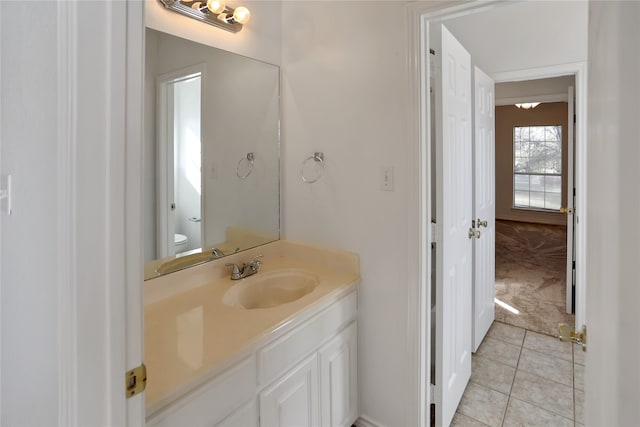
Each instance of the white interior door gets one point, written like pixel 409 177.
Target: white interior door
pixel 454 209
pixel 484 206
pixel 570 203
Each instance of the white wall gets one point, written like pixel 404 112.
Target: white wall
pixel 29 383
pixel 345 94
pixel 523 35
pixel 613 372
pixel 541 89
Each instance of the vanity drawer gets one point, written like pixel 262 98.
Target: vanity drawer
pixel 278 356
pixel 214 401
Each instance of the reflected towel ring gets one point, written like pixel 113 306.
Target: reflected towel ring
pixel 249 160
pixel 318 161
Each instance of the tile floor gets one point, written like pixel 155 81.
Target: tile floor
pixel 523 378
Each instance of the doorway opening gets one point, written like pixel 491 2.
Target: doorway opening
pixel 534 203
pixel 179 222
pixel 529 70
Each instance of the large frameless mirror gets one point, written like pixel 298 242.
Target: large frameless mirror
pixel 211 161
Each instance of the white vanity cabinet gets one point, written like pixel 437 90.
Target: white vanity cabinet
pixel 339 379
pixel 302 374
pixel 293 400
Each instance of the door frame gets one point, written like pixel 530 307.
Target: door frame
pixel 104 312
pixel 165 157
pixel 419 210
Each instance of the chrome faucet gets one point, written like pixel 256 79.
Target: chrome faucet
pixel 245 269
pixel 217 253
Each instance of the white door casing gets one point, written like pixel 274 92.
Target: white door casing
pixel 166 197
pixel 454 208
pixel 483 206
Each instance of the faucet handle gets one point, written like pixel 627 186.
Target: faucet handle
pixel 254 263
pixel 236 269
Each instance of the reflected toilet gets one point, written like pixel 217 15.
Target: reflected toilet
pixel 180 243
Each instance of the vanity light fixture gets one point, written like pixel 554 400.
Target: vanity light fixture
pixel 528 105
pixel 212 12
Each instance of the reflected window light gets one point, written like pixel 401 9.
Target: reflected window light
pixel 506 306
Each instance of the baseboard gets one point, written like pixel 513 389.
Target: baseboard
pixel 365 421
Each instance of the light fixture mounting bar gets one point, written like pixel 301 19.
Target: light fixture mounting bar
pixel 185 7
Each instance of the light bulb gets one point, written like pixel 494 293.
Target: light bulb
pixel 241 15
pixel 528 105
pixel 215 6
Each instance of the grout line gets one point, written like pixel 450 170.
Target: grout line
pixel 573 376
pixel 504 415
pixel 555 358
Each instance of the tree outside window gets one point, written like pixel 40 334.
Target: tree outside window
pixel 537 167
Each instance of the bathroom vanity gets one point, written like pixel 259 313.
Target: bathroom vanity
pixel 278 348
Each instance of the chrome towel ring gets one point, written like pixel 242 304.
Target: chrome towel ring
pixel 248 160
pixel 310 172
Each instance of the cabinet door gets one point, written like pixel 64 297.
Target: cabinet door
pixel 293 401
pixel 338 377
pixel 246 416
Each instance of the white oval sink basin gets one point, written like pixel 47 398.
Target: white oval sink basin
pixel 266 290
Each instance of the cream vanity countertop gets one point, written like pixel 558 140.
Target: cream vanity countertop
pixel 190 335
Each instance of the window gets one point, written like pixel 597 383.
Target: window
pixel 537 167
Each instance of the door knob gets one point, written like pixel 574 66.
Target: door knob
pixel 474 233
pixel 566 210
pixel 482 223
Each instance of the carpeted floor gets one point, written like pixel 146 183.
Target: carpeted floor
pixel 530 275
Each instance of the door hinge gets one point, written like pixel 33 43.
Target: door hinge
pixel 433 232
pixel 135 381
pixel 432 394
pixel 567 335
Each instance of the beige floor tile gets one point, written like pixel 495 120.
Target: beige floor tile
pixel 499 351
pixel 511 334
pixel 548 345
pixel 495 375
pixel 524 414
pixel 542 392
pixel 578 376
pixel 461 420
pixel 546 366
pixel 578 354
pixel 483 404
pixel 579 406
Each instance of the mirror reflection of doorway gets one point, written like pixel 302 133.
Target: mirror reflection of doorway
pixel 180 220
pixel 187 160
